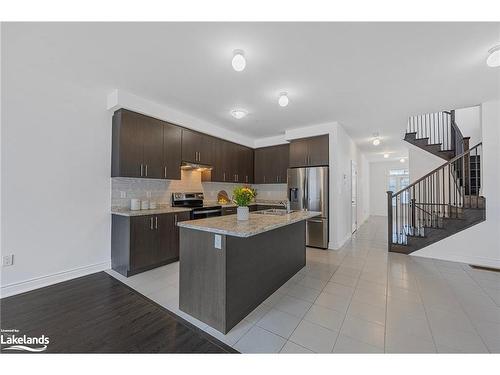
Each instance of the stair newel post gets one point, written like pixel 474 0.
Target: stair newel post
pixel 389 220
pixel 453 136
pixel 467 167
pixel 413 216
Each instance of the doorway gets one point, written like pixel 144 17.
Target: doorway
pixel 354 196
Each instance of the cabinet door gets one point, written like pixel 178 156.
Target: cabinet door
pixel 248 162
pixel 191 142
pixel 259 165
pixel 298 153
pixel 206 149
pixel 171 151
pixel 167 232
pixel 143 242
pixel 127 144
pixel 282 155
pixel 318 151
pixel 219 172
pixel 152 133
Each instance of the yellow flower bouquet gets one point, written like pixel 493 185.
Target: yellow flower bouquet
pixel 243 195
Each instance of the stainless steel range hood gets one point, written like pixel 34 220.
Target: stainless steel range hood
pixel 188 166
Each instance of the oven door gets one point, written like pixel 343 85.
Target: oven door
pixel 202 214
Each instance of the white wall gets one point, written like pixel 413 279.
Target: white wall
pixel 421 162
pixel 480 243
pixel 56 143
pixel 379 172
pixel 469 122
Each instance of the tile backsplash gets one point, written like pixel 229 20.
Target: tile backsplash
pixel 161 190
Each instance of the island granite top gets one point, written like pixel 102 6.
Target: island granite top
pixel 257 223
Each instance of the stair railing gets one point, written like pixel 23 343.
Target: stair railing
pixel 440 128
pixel 441 193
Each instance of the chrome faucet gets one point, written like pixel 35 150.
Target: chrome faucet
pixel 286 205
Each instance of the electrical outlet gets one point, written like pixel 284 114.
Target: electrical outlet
pixel 218 241
pixel 123 194
pixel 7 260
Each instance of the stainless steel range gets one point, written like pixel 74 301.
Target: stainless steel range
pixel 199 210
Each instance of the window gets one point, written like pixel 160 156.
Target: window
pixel 397 180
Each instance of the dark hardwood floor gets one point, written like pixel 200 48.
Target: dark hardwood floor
pixel 99 314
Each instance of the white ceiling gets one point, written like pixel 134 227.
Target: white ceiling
pixel 368 76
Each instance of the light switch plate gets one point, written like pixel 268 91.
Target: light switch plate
pixel 7 260
pixel 218 241
pixel 123 194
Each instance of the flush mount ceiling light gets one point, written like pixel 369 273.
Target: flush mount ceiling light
pixel 402 160
pixel 376 139
pixel 238 113
pixel 238 60
pixel 494 57
pixel 386 156
pixel 283 99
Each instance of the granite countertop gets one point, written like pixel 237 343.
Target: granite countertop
pixel 265 203
pixel 257 223
pixel 157 211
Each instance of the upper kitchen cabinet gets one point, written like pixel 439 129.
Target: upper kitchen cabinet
pixel 230 163
pixel 144 147
pixel 309 152
pixel 171 151
pixel 197 147
pixel 271 164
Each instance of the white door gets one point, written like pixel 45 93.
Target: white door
pixel 354 197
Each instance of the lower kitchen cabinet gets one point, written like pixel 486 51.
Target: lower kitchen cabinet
pixel 140 243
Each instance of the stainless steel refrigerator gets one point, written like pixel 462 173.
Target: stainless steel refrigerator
pixel 308 190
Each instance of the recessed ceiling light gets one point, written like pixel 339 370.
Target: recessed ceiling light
pixel 376 141
pixel 238 113
pixel 494 57
pixel 238 60
pixel 386 156
pixel 283 99
pixel 402 160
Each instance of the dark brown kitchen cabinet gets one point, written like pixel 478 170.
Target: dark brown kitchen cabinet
pixel 271 164
pixel 230 163
pixel 140 243
pixel 197 147
pixel 309 152
pixel 152 140
pixel 145 147
pixel 171 151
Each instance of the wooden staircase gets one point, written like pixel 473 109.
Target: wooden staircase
pixel 445 201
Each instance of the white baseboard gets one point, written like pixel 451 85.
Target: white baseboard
pixel 40 282
pixel 474 260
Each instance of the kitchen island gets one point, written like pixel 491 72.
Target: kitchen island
pixel 229 267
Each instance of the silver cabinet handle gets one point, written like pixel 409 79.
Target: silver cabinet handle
pixel 246 179
pixel 156 222
pixel 146 170
pixel 175 220
pixel 165 171
pixel 151 222
pixel 224 176
pixel 141 169
pixel 199 156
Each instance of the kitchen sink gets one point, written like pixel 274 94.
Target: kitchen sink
pixel 273 211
